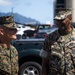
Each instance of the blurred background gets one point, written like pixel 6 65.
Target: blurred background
pixel 29 14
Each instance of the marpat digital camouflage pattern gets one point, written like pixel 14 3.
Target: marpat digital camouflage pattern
pixel 62 14
pixel 8 21
pixel 61 53
pixel 8 61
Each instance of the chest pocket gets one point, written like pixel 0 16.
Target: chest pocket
pixel 5 61
pixel 55 62
pixel 72 49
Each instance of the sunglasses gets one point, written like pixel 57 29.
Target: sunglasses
pixel 11 29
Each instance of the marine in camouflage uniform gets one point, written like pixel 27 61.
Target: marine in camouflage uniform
pixel 8 56
pixel 59 49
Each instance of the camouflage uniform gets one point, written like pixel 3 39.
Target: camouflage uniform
pixel 60 50
pixel 8 61
pixel 8 57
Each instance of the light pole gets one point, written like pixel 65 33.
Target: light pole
pixel 73 12
pixel 12 10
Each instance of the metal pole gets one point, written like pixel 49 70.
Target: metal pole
pixel 73 12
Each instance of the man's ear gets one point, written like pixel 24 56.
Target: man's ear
pixel 70 17
pixel 1 31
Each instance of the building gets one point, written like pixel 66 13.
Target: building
pixel 65 4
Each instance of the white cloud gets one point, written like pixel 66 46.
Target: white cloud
pixel 5 2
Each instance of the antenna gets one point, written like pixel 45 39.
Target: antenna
pixel 12 10
pixel 12 14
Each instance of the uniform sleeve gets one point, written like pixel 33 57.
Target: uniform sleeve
pixel 46 48
pixel 49 41
pixel 43 53
pixel 47 44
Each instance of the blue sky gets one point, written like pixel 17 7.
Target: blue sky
pixel 41 10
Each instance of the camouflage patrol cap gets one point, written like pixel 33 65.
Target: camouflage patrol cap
pixel 8 21
pixel 62 14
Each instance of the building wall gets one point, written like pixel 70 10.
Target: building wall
pixel 71 5
pixel 68 4
pixel 58 5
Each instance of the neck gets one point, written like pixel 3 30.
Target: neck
pixel 5 43
pixel 66 31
